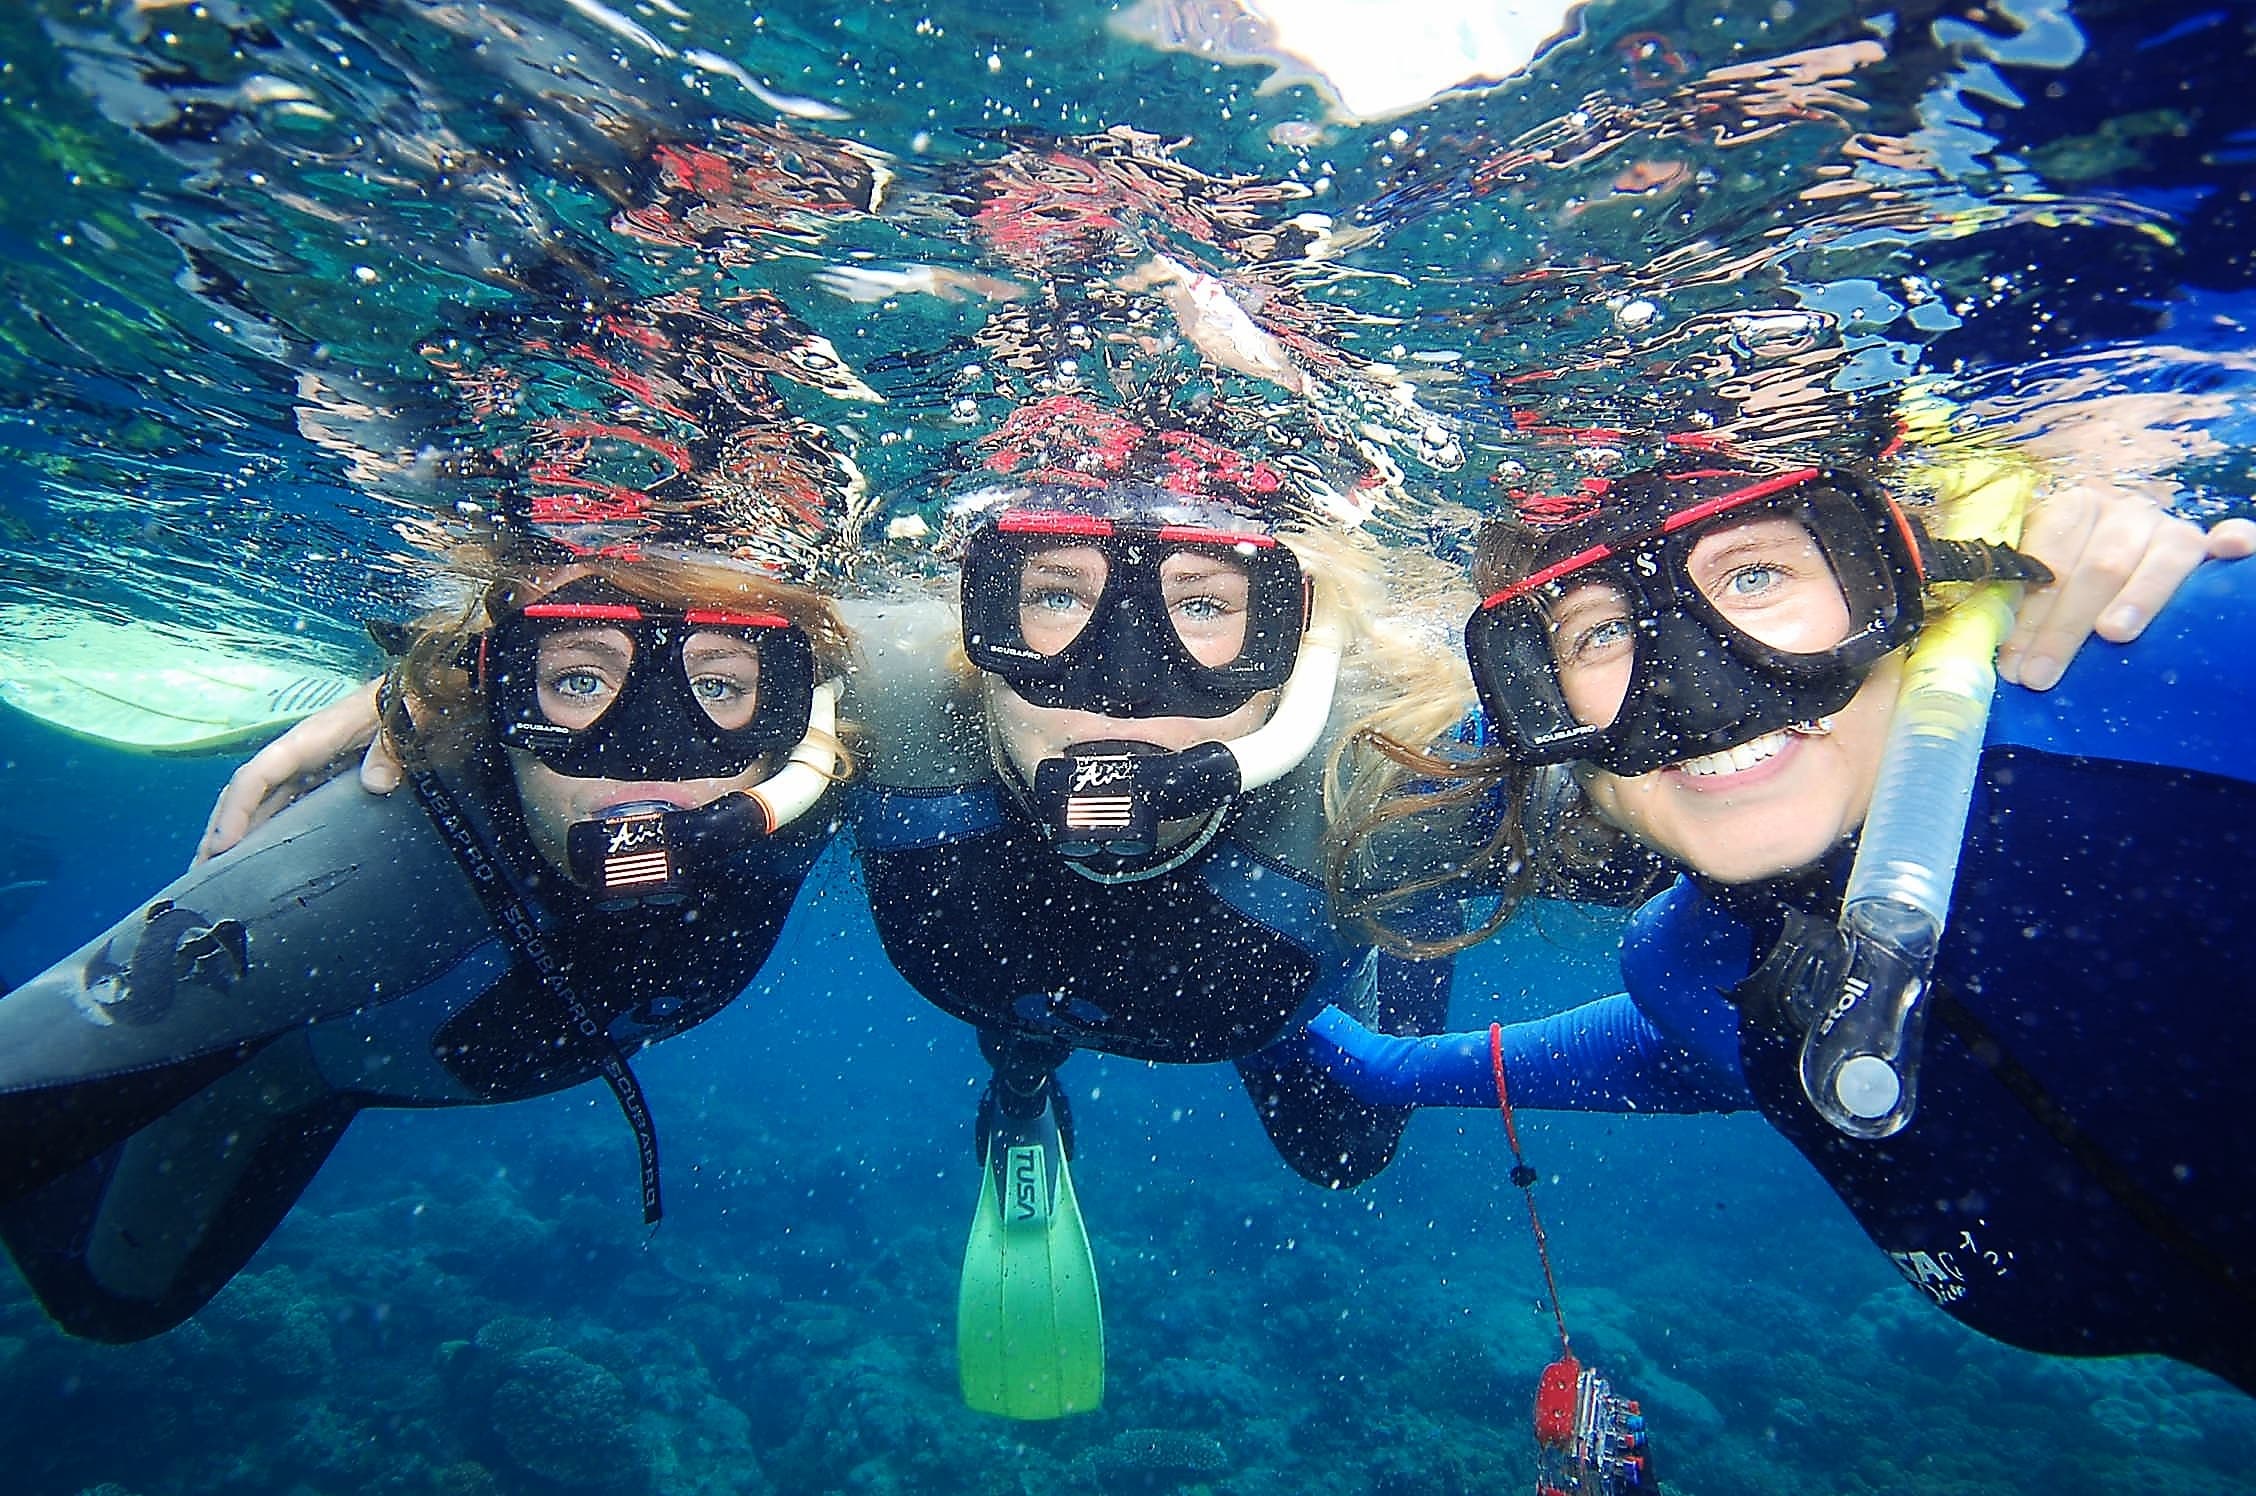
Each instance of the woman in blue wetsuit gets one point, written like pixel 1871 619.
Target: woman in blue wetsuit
pixel 613 764
pixel 1717 652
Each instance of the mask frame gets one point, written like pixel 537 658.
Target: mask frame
pixel 1698 684
pixel 1126 661
pixel 655 730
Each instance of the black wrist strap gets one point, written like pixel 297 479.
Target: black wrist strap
pixel 1976 561
pixel 513 919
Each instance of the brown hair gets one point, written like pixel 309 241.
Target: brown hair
pixel 441 689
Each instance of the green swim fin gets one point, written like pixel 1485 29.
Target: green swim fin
pixel 1029 1329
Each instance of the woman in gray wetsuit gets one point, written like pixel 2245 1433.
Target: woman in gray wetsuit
pixel 613 766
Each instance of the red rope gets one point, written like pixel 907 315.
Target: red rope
pixel 1524 1177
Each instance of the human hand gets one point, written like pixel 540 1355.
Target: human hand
pixel 309 755
pixel 2116 559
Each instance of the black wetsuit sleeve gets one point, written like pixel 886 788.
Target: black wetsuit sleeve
pixel 142 1235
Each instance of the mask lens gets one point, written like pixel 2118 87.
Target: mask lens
pixel 580 674
pixel 1207 597
pixel 1768 578
pixel 1593 636
pixel 724 677
pixel 1058 590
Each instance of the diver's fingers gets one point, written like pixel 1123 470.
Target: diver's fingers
pixel 2055 534
pixel 2178 546
pixel 2231 539
pixel 223 828
pixel 380 767
pixel 252 795
pixel 305 757
pixel 2134 558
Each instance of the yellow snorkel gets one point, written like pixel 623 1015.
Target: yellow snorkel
pixel 1860 1058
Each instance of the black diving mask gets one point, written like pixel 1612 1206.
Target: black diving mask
pixel 1703 608
pixel 598 683
pixel 1131 620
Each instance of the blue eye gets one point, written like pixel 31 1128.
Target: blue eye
pixel 1748 581
pixel 1051 599
pixel 718 688
pixel 579 685
pixel 1602 638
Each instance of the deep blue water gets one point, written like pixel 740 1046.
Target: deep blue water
pixel 216 347
pixel 790 1325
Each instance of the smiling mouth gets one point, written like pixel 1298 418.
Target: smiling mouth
pixel 1752 753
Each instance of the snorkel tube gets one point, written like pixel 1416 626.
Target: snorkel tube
pixel 813 767
pixel 1304 705
pixel 1860 1058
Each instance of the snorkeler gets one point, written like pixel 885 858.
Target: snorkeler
pixel 1114 874
pixel 1716 653
pixel 613 766
pixel 1106 838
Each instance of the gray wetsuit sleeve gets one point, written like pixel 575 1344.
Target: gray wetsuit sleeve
pixel 343 901
pixel 341 904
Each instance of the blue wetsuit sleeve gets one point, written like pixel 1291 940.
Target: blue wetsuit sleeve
pixel 2180 695
pixel 1601 1057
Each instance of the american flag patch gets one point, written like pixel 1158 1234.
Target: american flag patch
pixel 1099 812
pixel 632 869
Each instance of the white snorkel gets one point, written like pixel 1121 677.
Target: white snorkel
pixel 1304 705
pixel 812 768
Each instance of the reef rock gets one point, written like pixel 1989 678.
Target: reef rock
pixel 568 1420
pixel 1150 1459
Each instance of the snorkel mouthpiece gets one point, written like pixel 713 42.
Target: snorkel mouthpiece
pixel 643 852
pixel 1107 799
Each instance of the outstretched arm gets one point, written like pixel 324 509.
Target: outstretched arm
pixel 1601 1057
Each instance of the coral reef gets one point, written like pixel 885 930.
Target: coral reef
pixel 467 1305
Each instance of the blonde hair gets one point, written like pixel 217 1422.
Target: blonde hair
pixel 1407 671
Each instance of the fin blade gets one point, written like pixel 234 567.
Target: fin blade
pixel 1029 1325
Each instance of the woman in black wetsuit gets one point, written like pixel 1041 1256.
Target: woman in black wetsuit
pixel 613 766
pixel 2044 1128
pixel 1114 844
